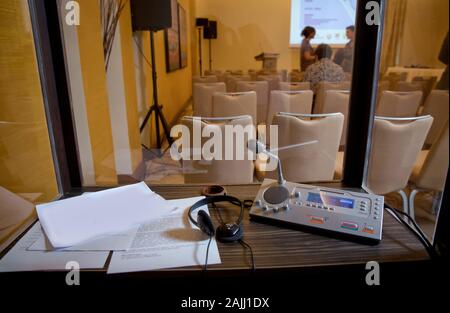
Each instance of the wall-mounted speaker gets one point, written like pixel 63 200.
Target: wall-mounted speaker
pixel 210 31
pixel 201 22
pixel 151 14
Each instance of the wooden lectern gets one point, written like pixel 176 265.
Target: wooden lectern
pixel 269 61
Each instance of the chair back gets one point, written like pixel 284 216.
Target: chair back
pixel 322 88
pixel 203 97
pixel 434 170
pixel 262 94
pixel 396 144
pixel 338 101
pixel 312 162
pixel 234 104
pixel 215 171
pixel 295 86
pixel 436 105
pixel 204 79
pixel 399 103
pixel 231 81
pixel 299 101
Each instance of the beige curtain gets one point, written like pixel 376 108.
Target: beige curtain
pixel 393 31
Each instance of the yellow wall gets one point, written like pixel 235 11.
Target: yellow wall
pixel 426 24
pixel 96 97
pixel 26 164
pixel 174 88
pixel 245 29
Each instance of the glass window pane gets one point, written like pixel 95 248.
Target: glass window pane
pixel 236 64
pixel 408 158
pixel 27 173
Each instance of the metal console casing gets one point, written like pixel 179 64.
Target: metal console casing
pixel 334 210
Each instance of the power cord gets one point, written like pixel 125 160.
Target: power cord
pixel 416 230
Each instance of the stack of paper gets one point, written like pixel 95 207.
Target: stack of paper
pixel 146 232
pixel 81 219
pixel 20 259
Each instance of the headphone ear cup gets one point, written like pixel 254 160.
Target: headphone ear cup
pixel 204 223
pixel 229 233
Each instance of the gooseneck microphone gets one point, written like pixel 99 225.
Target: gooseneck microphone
pixel 258 147
pixel 276 194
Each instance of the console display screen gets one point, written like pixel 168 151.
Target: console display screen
pixel 330 200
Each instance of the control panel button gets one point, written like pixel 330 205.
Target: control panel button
pixel 349 225
pixel 369 230
pixel 316 220
pixel 297 194
pixel 258 203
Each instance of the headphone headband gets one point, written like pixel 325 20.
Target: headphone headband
pixel 213 199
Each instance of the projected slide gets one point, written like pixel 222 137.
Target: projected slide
pixel 328 17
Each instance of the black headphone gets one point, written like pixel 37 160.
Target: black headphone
pixel 225 232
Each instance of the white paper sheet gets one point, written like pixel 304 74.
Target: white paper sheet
pixel 20 259
pixel 77 220
pixel 114 242
pixel 170 241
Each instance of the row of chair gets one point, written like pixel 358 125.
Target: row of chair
pixel 396 145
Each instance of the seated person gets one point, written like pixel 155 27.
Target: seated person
pixel 324 69
pixel 339 56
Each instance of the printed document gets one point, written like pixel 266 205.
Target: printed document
pixel 167 242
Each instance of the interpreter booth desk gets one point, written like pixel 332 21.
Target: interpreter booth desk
pixel 279 249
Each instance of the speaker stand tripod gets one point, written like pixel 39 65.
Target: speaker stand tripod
pixel 156 107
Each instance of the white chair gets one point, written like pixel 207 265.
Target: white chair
pixel 298 102
pixel 295 86
pixel 396 144
pixel 231 81
pixel 273 80
pixel 338 101
pixel 322 88
pixel 219 75
pixel 311 162
pixel 262 93
pixel 216 171
pixel 436 105
pixel 203 97
pixel 204 79
pixel 234 104
pixel 399 103
pixel 432 173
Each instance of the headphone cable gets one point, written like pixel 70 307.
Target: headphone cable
pixel 246 245
pixel 247 204
pixel 205 268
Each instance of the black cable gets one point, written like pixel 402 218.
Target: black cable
pixel 246 204
pixel 431 252
pixel 418 231
pixel 244 244
pixel 207 253
pixel 418 228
